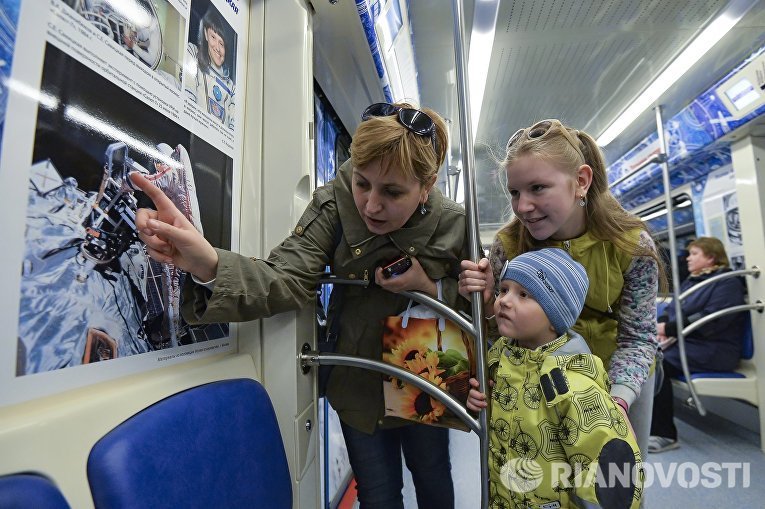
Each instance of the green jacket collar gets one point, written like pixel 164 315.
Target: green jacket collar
pixel 410 238
pixel 577 247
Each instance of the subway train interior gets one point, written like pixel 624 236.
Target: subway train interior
pixel 109 399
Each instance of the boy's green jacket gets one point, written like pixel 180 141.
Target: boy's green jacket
pixel 556 437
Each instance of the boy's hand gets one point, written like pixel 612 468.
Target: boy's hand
pixel 476 400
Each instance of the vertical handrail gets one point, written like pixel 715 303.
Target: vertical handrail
pixel 673 261
pixel 471 202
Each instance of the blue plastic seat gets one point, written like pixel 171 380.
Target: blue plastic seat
pixel 747 351
pixel 216 445
pixel 740 383
pixel 24 491
pixel 747 341
pixel 712 374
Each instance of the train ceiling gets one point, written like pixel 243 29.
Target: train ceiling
pixel 579 60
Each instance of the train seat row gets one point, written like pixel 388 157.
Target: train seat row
pixel 740 383
pixel 214 445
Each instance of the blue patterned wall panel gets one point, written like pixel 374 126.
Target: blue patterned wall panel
pixel 693 146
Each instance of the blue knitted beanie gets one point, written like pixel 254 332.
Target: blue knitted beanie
pixel 557 282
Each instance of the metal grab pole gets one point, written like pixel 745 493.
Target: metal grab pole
pixel 673 258
pixel 471 206
pixel 681 333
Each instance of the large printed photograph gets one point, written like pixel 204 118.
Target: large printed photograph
pixel 89 292
pixel 150 30
pixel 209 77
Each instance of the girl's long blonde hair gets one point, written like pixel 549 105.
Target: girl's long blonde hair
pixel 606 218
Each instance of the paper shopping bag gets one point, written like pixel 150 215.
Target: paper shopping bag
pixel 441 353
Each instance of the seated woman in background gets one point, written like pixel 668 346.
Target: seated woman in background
pixel 713 347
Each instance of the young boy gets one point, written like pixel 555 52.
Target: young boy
pixel 556 438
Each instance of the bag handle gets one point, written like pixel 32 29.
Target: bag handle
pixel 441 320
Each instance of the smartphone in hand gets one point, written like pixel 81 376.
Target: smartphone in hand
pixel 397 267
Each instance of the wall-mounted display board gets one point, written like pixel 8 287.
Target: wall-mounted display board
pixel 94 91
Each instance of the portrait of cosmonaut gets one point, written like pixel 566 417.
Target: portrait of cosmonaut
pixel 209 71
pixel 89 292
pixel 150 30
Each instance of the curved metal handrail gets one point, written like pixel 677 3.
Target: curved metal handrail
pixel 754 271
pixel 313 358
pixel 758 306
pixel 442 309
pixel 421 298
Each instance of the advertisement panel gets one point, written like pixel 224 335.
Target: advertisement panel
pixel 98 90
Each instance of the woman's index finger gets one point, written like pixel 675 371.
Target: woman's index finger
pixel 156 195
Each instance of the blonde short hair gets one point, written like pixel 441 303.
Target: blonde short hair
pixel 387 139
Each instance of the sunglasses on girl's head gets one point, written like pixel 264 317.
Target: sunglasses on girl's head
pixel 414 120
pixel 540 130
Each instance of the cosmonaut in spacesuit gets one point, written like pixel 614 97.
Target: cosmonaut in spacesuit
pixel 137 30
pixel 207 81
pixel 145 42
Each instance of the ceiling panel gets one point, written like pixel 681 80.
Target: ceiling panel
pixel 579 60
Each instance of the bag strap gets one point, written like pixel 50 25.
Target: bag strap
pixel 405 317
pixel 441 319
pixel 440 296
pixel 336 297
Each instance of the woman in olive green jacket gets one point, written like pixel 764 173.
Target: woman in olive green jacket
pixel 381 206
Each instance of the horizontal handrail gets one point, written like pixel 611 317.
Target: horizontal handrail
pixel 313 358
pixel 442 309
pixel 421 298
pixel 331 279
pixel 757 306
pixel 754 271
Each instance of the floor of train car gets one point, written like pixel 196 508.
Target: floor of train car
pixel 709 440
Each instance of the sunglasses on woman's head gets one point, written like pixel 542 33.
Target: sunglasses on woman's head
pixel 414 120
pixel 541 129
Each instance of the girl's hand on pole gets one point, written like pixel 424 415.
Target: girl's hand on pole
pixel 477 277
